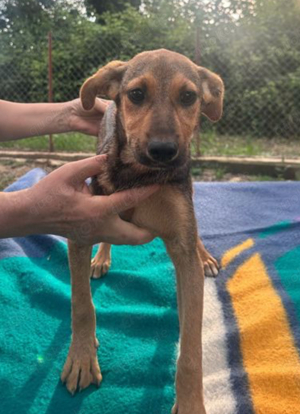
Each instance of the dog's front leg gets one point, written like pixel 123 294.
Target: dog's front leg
pixel 82 365
pixel 190 283
pixel 169 213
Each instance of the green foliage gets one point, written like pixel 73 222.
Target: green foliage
pixel 113 6
pixel 262 72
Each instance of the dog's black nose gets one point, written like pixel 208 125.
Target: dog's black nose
pixel 162 151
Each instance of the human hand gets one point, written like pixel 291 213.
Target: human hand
pixel 62 204
pixel 87 122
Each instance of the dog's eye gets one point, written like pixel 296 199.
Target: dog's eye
pixel 188 98
pixel 136 96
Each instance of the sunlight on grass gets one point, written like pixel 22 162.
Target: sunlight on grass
pixel 212 144
pixel 74 142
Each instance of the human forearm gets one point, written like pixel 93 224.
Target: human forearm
pixel 18 120
pixel 16 216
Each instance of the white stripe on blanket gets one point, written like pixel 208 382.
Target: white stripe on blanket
pixel 218 394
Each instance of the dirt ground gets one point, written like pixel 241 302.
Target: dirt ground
pixel 210 174
pixel 11 170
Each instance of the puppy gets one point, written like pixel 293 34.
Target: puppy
pixel 146 133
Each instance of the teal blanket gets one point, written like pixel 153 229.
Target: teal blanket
pixel 251 328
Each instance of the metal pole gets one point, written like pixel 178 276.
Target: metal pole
pixel 197 45
pixel 50 90
pixel 197 61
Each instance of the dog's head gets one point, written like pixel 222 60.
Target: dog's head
pixel 160 95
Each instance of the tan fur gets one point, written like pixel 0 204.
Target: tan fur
pixel 213 94
pixel 101 262
pixel 168 213
pixel 82 358
pixel 105 81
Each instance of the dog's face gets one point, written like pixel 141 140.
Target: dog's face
pixel 160 96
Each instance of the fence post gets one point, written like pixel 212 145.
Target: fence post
pixel 50 90
pixel 197 61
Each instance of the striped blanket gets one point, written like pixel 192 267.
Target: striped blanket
pixel 251 316
pixel 252 311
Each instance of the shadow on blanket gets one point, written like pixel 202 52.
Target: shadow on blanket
pixel 251 321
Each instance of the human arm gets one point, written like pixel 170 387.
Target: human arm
pixel 23 120
pixel 62 204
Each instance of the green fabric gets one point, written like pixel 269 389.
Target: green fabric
pixel 136 324
pixel 276 228
pixel 288 268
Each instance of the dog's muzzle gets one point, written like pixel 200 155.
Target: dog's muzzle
pixel 164 152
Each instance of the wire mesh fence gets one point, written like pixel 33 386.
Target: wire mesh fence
pixel 262 91
pixel 51 71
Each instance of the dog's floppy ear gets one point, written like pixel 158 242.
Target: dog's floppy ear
pixel 212 94
pixel 105 82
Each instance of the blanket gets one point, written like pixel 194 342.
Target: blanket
pixel 251 327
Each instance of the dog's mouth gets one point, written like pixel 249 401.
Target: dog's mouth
pixel 160 163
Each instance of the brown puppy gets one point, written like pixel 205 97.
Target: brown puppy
pixel 159 97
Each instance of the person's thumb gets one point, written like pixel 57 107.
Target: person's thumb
pixel 79 171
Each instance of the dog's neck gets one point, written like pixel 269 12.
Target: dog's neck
pixel 122 170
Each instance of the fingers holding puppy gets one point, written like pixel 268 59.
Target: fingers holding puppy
pixel 62 204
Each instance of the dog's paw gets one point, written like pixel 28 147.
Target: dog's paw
pixel 175 409
pixel 82 368
pixel 211 266
pixel 100 265
pixel 190 410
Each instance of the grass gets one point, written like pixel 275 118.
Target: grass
pixel 246 146
pixel 265 178
pixel 73 142
pixel 6 180
pixel 220 173
pixel 210 144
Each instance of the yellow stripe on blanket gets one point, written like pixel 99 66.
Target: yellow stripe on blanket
pixel 269 354
pixel 235 251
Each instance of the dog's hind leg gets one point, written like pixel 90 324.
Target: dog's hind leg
pixel 101 262
pixel 81 367
pixel 210 264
